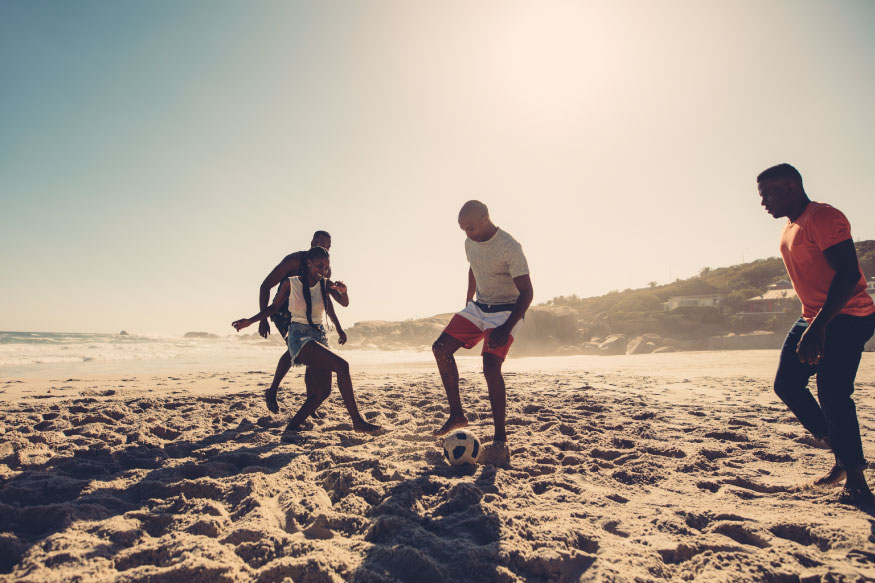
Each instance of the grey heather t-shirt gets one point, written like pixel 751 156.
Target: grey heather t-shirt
pixel 495 263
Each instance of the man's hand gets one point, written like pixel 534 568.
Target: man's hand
pixel 264 328
pixel 341 337
pixel 498 336
pixel 240 324
pixel 810 347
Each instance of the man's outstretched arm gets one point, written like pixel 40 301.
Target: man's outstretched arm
pixel 281 297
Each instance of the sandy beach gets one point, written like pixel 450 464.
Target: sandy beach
pixel 670 467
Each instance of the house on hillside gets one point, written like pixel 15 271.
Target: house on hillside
pixel 779 298
pixel 706 300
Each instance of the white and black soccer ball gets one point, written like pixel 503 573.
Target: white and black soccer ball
pixel 461 447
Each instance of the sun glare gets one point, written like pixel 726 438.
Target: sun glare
pixel 548 56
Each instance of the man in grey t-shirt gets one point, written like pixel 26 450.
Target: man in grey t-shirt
pixel 499 275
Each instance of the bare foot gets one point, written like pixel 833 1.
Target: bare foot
pixel 835 475
pixel 495 454
pixel 452 423
pixel 302 426
pixel 270 400
pixel 317 414
pixel 818 442
pixel 856 490
pixel 365 427
pixel 291 434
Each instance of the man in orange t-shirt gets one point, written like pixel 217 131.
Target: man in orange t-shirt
pixel 838 317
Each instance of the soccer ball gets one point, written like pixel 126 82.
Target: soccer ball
pixel 461 447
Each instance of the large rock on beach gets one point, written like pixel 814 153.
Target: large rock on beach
pixel 613 344
pixel 589 348
pixel 543 321
pixel 199 335
pixel 569 350
pixel 643 344
pixel 756 340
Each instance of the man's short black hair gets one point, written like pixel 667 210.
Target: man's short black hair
pixel 781 171
pixel 318 234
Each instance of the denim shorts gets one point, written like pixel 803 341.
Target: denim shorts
pixel 299 334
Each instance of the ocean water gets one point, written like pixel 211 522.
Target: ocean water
pixel 37 348
pixel 42 354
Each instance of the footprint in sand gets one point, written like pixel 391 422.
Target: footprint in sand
pixel 672 452
pixel 571 460
pixel 727 436
pixel 861 556
pixel 567 430
pixel 644 416
pixel 605 454
pixel 683 552
pixel 566 445
pixel 613 527
pixel 767 456
pixel 710 486
pixel 622 443
pixel 712 454
pixel 741 534
pixel 755 487
pixel 804 535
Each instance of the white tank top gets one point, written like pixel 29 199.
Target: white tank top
pixel 298 306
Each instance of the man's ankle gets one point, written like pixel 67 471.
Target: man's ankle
pixel 856 479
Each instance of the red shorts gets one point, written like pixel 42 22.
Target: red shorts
pixel 469 334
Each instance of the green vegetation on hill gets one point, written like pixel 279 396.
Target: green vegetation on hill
pixel 640 311
pixel 569 323
pixel 866 254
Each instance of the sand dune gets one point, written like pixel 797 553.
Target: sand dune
pixel 632 477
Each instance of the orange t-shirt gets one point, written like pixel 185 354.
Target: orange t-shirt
pixel 819 227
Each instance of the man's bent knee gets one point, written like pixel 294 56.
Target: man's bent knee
pixel 441 349
pixel 785 388
pixel 780 390
pixel 492 366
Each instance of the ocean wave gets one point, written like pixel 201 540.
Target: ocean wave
pixel 30 348
pixel 30 353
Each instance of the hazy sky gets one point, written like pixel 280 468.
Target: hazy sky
pixel 158 158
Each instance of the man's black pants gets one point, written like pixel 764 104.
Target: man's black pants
pixel 836 415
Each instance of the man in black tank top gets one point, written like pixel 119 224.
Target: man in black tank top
pixel 289 266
